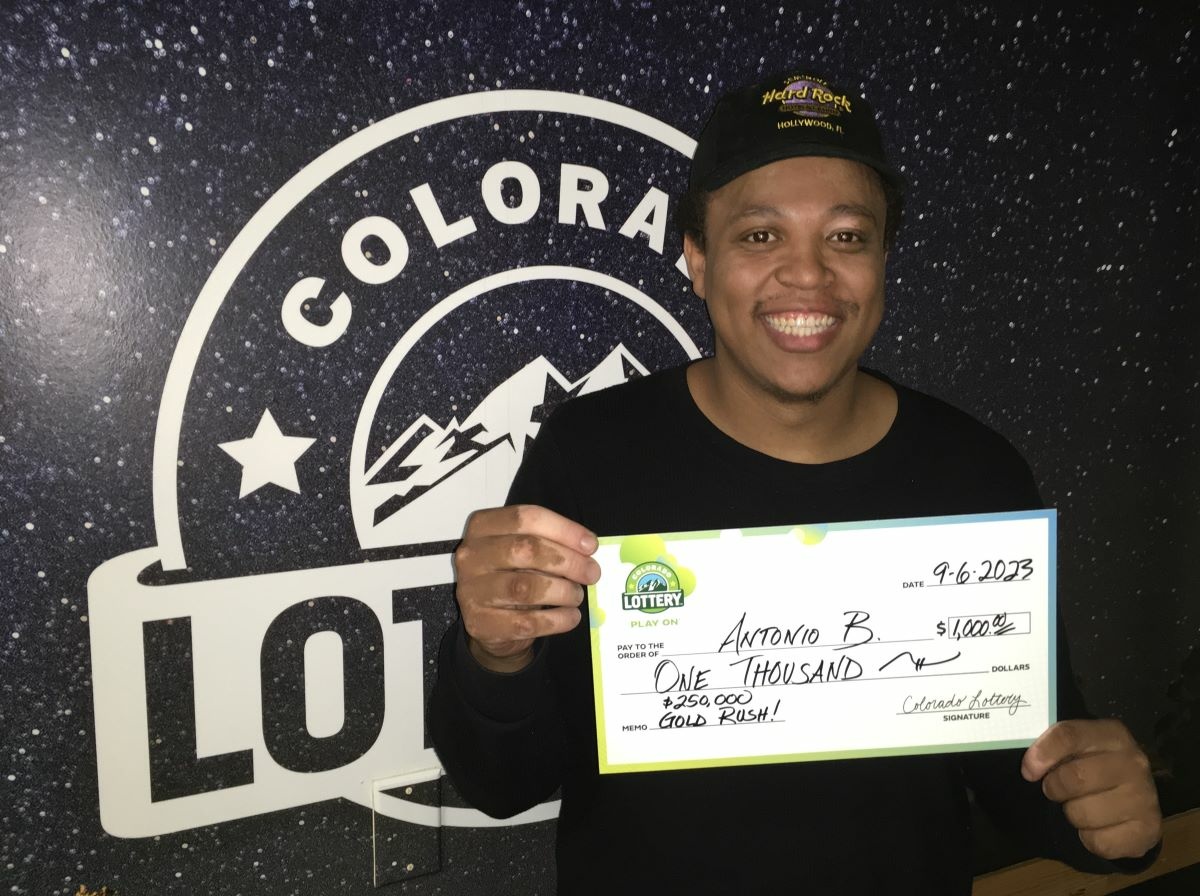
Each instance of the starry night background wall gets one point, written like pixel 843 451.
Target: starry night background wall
pixel 1045 280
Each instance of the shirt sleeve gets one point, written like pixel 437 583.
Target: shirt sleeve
pixel 500 736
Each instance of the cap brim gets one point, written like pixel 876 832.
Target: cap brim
pixel 735 168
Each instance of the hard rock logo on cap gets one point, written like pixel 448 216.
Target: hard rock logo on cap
pixel 808 97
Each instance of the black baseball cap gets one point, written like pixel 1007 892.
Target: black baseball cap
pixel 788 114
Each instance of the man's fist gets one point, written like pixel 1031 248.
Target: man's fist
pixel 520 572
pixel 1102 778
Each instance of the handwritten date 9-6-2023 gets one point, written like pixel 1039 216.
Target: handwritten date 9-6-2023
pixel 984 572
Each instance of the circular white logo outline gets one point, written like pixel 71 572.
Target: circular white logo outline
pixel 383 376
pixel 248 240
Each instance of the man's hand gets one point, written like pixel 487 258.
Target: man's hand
pixel 519 575
pixel 1102 778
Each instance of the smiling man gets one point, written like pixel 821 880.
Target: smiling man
pixel 791 264
pixel 791 209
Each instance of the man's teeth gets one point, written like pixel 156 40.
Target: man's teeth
pixel 800 324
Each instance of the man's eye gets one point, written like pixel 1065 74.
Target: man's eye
pixel 847 236
pixel 759 236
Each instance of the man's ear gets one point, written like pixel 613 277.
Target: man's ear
pixel 695 258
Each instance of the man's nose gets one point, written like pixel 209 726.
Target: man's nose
pixel 803 265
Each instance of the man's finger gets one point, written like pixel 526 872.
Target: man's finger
pixel 493 625
pixel 1089 774
pixel 1105 808
pixel 520 590
pixel 529 519
pixel 503 553
pixel 1128 840
pixel 1076 737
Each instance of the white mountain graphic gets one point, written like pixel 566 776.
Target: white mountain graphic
pixel 426 483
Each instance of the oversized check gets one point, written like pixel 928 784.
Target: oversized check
pixel 833 641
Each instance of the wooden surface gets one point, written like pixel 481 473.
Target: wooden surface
pixel 1044 877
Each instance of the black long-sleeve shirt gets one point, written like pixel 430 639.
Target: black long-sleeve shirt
pixel 643 458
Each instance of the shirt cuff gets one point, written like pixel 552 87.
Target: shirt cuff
pixel 1140 864
pixel 503 697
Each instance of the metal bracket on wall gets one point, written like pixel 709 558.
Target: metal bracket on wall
pixel 406 826
pixel 407 819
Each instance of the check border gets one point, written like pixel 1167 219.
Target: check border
pixel 595 612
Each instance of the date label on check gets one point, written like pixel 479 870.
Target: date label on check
pixel 835 641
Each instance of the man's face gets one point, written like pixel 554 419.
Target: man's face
pixel 792 273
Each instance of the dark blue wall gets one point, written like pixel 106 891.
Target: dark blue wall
pixel 1045 280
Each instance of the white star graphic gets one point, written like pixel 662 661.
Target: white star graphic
pixel 267 456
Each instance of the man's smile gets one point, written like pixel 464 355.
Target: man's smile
pixel 799 323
